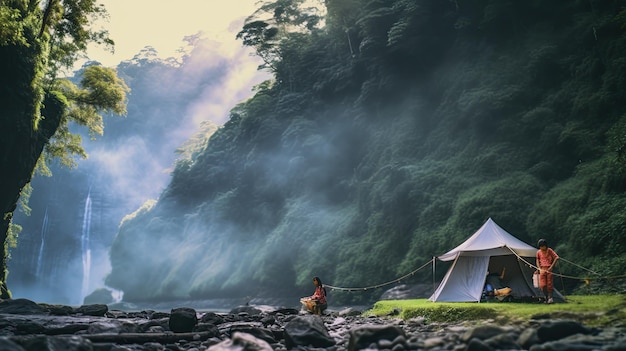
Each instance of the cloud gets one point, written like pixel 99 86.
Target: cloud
pixel 134 24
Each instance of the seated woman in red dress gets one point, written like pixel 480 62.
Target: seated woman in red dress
pixel 319 297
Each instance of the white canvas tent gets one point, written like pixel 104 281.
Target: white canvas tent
pixel 488 250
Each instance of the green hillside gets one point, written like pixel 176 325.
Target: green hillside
pixel 391 131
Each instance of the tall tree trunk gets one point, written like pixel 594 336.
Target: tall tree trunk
pixel 21 143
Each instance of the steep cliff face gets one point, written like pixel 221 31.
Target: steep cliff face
pixel 386 138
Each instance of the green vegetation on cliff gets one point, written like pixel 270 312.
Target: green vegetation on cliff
pixel 37 41
pixel 391 131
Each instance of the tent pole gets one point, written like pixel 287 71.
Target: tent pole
pixel 434 287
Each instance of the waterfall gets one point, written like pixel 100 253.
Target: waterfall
pixel 85 247
pixel 44 231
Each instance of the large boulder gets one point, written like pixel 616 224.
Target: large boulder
pixel 21 306
pixel 101 296
pixel 212 317
pixel 183 320
pixel 58 310
pixel 95 310
pixel 559 329
pixel 307 330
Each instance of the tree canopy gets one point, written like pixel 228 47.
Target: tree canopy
pixel 37 42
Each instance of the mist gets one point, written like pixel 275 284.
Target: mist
pixel 248 220
pixel 63 250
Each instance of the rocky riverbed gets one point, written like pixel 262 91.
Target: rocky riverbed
pixel 28 326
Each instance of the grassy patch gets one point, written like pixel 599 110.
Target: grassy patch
pixel 593 310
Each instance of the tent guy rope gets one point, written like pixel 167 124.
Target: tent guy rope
pixel 432 261
pixel 382 284
pixel 586 279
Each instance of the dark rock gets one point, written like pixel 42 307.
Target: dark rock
pixel 8 345
pixel 395 312
pixel 528 338
pixel 54 343
pixel 212 318
pixel 364 336
pixel 400 341
pixel 477 345
pixel 251 310
pixel 620 345
pixel 207 327
pixel 242 341
pixel 227 328
pixel 433 342
pixel 170 347
pixel 69 343
pixel 268 321
pixel 111 327
pixel 158 315
pixel 307 330
pixel 156 329
pixel 385 344
pixel 260 333
pixel 555 330
pixel 563 346
pixel 7 328
pixel 152 346
pixel 58 310
pixel 29 327
pixel 116 314
pixel 99 296
pixel 577 342
pixel 482 332
pixel 21 306
pixel 285 311
pixel 183 320
pixel 349 312
pixel 541 316
pixel 149 324
pixel 279 334
pixel 289 318
pixel 69 328
pixel 97 310
pixel 503 342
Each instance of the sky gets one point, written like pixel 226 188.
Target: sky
pixel 135 24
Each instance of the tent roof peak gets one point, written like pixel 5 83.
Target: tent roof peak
pixel 490 240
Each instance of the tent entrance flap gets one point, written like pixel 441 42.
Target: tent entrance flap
pixel 464 281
